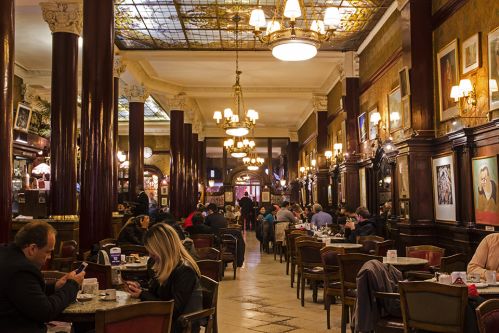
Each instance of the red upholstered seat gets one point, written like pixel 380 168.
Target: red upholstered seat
pixel 491 321
pixel 431 253
pixel 487 315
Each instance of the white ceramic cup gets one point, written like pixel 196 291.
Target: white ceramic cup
pixel 110 294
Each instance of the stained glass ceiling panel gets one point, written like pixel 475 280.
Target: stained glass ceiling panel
pixel 152 110
pixel 207 24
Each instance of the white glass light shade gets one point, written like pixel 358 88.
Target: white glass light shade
pixel 147 152
pixel 283 182
pixel 121 156
pixel 465 86
pixel 239 144
pixel 252 167
pixel 260 160
pixel 375 118
pixel 228 113
pixel 332 17
pixel 294 50
pixel 388 179
pixel 302 169
pixel 238 155
pixel 318 26
pixel 257 18
pixel 237 131
pixel 211 183
pixel 313 162
pixel 395 116
pixel 338 146
pixel 234 118
pixel 493 86
pixel 328 154
pixel 246 160
pixel 456 93
pixel 217 115
pixel 273 26
pixel 292 9
pixel 246 142
pixel 251 144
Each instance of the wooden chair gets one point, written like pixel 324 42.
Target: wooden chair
pixel 128 249
pixel 68 251
pixel 487 315
pixel 210 297
pixel 453 263
pixel 332 286
pixel 102 273
pixel 279 238
pixel 432 306
pixel 290 243
pixel 187 320
pixel 309 266
pixel 211 268
pixel 203 240
pixel 361 239
pixel 106 241
pixel 350 265
pixel 150 317
pixel 381 248
pixel 429 252
pixel 234 226
pixel 208 253
pixel 369 243
pixel 229 251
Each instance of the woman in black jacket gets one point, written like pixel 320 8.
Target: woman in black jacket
pixel 176 274
pixel 134 230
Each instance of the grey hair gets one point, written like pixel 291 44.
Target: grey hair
pixel 317 208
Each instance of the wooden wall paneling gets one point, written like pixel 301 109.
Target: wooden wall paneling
pixel 351 107
pixel 446 11
pixel 352 188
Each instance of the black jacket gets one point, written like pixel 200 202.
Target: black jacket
pixel 199 229
pixel 141 204
pixel 183 287
pixel 364 228
pixel 246 205
pixel 216 221
pixel 131 234
pixel 24 302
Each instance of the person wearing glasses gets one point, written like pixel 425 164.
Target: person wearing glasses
pixel 487 192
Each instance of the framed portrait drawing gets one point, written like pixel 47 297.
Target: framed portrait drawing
pixel 266 196
pixel 405 85
pixel 395 109
pixel 406 112
pixel 403 176
pixel 341 189
pixel 164 190
pixel 164 202
pixel 470 53
pixel 373 129
pixel 485 190
pixel 23 118
pixel 362 182
pixel 493 43
pixel 229 196
pixel 444 187
pixel 448 76
pixel 361 122
pixel 330 194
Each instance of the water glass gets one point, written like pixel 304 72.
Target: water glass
pixel 490 277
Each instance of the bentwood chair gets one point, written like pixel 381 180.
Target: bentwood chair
pixel 128 249
pixel 309 266
pixel 187 320
pixel 290 241
pixel 429 252
pixel 332 286
pixel 68 251
pixel 107 241
pixel 203 240
pixel 433 306
pixel 381 248
pixel 150 317
pixel 211 268
pixel 102 273
pixel 350 265
pixel 487 315
pixel 210 297
pixel 369 243
pixel 453 263
pixel 229 251
pixel 279 238
pixel 208 253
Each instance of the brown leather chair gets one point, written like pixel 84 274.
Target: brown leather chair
pixel 332 286
pixel 203 240
pixel 210 297
pixel 433 306
pixel 350 265
pixel 429 252
pixel 150 317
pixel 208 253
pixel 102 273
pixel 187 320
pixel 290 243
pixel 453 263
pixel 309 266
pixel 106 241
pixel 211 268
pixel 487 315
pixel 229 251
pixel 381 248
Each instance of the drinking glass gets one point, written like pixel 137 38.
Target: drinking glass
pixel 490 277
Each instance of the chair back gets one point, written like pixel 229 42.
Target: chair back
pixel 234 226
pixel 429 252
pixel 487 315
pixel 51 277
pixel 68 249
pixel 433 306
pixel 187 320
pixel 279 228
pixel 209 288
pixel 301 238
pixel 453 263
pixel 381 248
pixel 329 258
pixel 309 253
pixel 369 243
pixel 211 268
pixel 102 273
pixel 106 241
pixel 362 239
pixel 291 242
pixel 128 249
pixel 150 317
pixel 208 253
pixel 203 240
pixel 229 245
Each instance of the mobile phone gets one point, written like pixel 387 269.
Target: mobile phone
pixel 81 268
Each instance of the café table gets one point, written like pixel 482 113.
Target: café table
pixel 348 247
pixel 405 264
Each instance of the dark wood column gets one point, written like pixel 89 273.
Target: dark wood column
pixel 351 106
pixel 118 69
pixel 269 161
pixel 322 175
pixel 6 82
pixel 202 161
pixel 188 196
pixel 292 152
pixel 224 166
pixel 417 51
pixel 195 174
pixel 97 122
pixel 63 104
pixel 352 186
pixel 176 163
pixel 136 148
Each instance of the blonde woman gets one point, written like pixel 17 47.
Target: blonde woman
pixel 176 273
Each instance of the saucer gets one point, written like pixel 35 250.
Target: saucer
pixel 84 297
pixel 103 298
pixel 136 265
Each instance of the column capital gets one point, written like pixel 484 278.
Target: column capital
pixel 63 16
pixel 350 66
pixel 293 136
pixel 136 93
pixel 319 103
pixel 178 102
pixel 119 67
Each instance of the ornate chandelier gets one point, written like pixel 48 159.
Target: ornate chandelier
pixel 239 147
pixel 231 121
pixel 295 41
pixel 253 162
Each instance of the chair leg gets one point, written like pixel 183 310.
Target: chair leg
pixel 280 253
pixel 287 267
pixel 292 274
pixel 314 290
pixel 275 251
pixel 303 282
pixel 328 312
pixel 344 315
pixel 298 284
pixel 234 266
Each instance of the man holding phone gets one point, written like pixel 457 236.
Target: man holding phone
pixel 26 302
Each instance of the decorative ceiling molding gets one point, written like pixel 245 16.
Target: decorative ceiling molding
pixel 154 84
pixel 119 67
pixel 319 103
pixel 150 128
pixel 350 64
pixel 63 16
pixel 135 93
pixel 293 136
pixel 377 27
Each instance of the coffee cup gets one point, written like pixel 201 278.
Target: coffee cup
pixel 391 255
pixel 110 295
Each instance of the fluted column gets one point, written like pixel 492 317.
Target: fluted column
pixel 65 22
pixel 97 122
pixel 322 175
pixel 136 95
pixel 187 169
pixel 118 68
pixel 176 164
pixel 6 82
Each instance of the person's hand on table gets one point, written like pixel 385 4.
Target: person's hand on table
pixel 133 288
pixel 350 225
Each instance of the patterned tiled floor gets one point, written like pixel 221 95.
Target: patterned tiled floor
pixel 261 299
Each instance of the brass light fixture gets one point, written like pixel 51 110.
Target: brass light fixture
pixel 253 162
pixel 239 147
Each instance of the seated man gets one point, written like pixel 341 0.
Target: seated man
pixel 486 256
pixel 215 220
pixel 320 218
pixel 285 214
pixel 363 227
pixel 198 226
pixel 26 303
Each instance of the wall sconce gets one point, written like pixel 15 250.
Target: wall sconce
pixel 302 169
pixel 283 182
pixel 211 182
pixel 313 162
pixel 121 156
pixel 378 122
pixel 338 157
pixel 465 91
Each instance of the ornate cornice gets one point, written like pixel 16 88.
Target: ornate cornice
pixel 135 93
pixel 178 103
pixel 319 103
pixel 119 67
pixel 63 16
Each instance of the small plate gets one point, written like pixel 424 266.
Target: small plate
pixel 103 298
pixel 84 297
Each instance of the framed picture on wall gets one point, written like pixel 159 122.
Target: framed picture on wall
pixel 362 182
pixel 361 122
pixel 395 109
pixel 330 194
pixel 164 190
pixel 448 76
pixel 406 112
pixel 228 196
pixel 405 85
pixel 485 189
pixel 164 202
pixel 444 187
pixel 373 129
pixel 470 53
pixel 493 43
pixel 266 196
pixel 23 118
pixel 341 189
pixel 403 176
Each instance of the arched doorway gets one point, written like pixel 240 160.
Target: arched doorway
pixel 244 180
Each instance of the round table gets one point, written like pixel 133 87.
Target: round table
pixel 348 247
pixel 406 263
